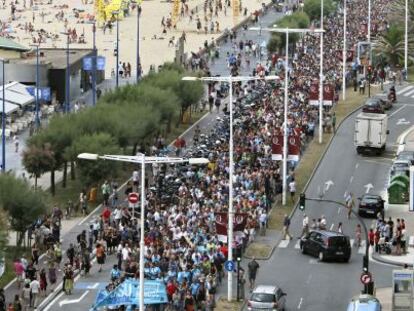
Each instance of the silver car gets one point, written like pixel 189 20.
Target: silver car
pixel 267 298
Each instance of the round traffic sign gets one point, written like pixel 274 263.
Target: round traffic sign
pixel 229 265
pixel 366 278
pixel 133 198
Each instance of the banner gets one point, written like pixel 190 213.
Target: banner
pixel 328 94
pixel 277 148
pixel 175 12
pixel 44 93
pixel 239 223
pixel 293 147
pixel 127 293
pixel 314 94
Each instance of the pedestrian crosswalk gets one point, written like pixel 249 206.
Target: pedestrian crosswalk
pixel 295 244
pixel 407 91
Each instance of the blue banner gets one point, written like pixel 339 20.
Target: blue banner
pixel 44 92
pixel 87 63
pixel 127 293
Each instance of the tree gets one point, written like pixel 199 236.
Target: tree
pixel 38 160
pixel 22 204
pixel 96 171
pixel 313 8
pixel 390 46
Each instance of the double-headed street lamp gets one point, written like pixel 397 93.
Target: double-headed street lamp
pixel 94 62
pixel 285 126
pixel 138 72
pixel 344 56
pixel 406 40
pixel 230 80
pixel 142 159
pixel 116 13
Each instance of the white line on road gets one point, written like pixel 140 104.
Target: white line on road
pixel 396 111
pixel 53 302
pixel 66 302
pixel 351 242
pixel 339 210
pixel 309 279
pixel 300 302
pixel 357 165
pixel 284 243
pixel 409 93
pixel 351 179
pixel 404 90
pixel 297 245
pixel 332 226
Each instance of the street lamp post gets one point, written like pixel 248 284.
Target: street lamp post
pixel 142 159
pixel 37 118
pixel 285 128
pixel 406 40
pixel 67 80
pixel 369 22
pixel 94 62
pixel 138 71
pixel 3 120
pixel 116 13
pixel 230 80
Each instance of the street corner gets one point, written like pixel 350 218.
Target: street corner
pixel 396 260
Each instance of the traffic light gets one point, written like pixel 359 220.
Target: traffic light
pixel 302 200
pixel 369 69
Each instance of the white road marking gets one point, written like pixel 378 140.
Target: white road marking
pixel 309 279
pixel 313 261
pixel 361 249
pixel 404 90
pixel 284 243
pixel 379 162
pixel 351 241
pixel 409 93
pixel 52 302
pixel 300 302
pixel 66 302
pixel 94 286
pixel 357 165
pixel 332 226
pixel 351 179
pixel 297 245
pixel 339 210
pixel 398 110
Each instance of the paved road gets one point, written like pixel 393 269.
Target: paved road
pixel 91 284
pixel 315 286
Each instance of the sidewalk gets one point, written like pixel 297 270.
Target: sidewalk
pixel 406 143
pixel 384 295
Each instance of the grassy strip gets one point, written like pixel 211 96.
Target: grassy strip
pixel 224 305
pixel 313 153
pixel 258 250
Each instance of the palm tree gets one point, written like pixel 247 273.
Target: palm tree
pixel 390 46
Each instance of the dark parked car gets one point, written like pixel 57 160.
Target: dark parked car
pixel 371 205
pixel 373 105
pixel 326 245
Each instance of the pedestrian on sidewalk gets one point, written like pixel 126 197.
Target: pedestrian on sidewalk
pixel 68 279
pixel 292 189
pixel 334 122
pixel 34 290
pixel 25 297
pixel 253 267
pixel 286 225
pixel 17 304
pixel 305 226
pixel 43 283
pixel 100 255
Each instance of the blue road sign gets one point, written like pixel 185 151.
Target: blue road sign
pixel 44 92
pixel 100 63
pixel 229 265
pixel 87 63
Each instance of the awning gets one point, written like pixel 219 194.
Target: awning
pixel 16 93
pixel 8 107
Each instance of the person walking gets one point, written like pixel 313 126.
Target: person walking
pixel 305 225
pixel 34 290
pixel 292 189
pixel 286 225
pixel 100 255
pixel 349 201
pixel 358 234
pixel 252 266
pixel 334 122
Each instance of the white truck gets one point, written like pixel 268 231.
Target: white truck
pixel 370 132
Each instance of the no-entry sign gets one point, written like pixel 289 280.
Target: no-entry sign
pixel 366 278
pixel 133 198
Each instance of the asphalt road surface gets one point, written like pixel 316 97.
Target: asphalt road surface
pixel 318 286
